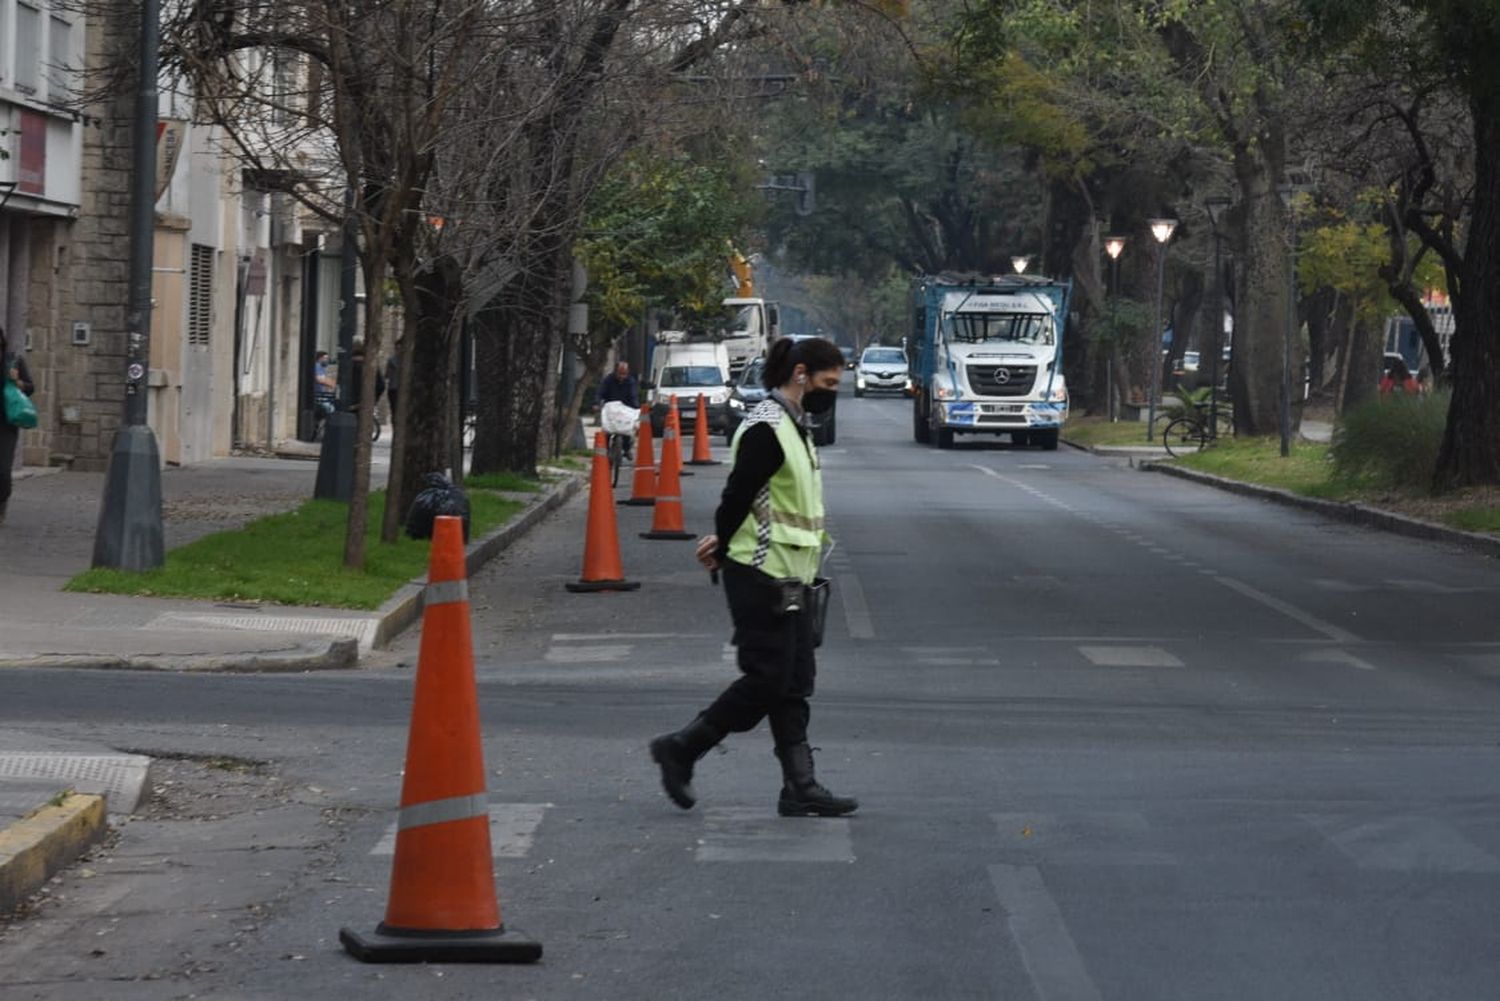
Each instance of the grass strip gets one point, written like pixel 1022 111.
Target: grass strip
pixel 507 481
pixel 1310 471
pixel 294 558
pixel 1103 431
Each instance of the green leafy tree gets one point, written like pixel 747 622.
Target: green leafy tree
pixel 1453 41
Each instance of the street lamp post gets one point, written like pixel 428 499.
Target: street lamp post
pixel 1216 206
pixel 129 534
pixel 1161 230
pixel 1113 246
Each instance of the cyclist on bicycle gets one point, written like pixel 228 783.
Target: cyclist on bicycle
pixel 620 387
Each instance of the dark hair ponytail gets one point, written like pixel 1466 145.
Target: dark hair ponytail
pixel 817 354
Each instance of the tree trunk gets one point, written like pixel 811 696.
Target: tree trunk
pixel 1366 346
pixel 425 383
pixel 1470 454
pixel 1260 318
pixel 359 500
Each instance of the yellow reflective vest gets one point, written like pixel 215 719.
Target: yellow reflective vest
pixel 783 534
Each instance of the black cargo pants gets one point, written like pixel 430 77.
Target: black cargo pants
pixel 776 660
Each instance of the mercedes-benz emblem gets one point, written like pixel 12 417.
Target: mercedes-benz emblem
pixel 1002 376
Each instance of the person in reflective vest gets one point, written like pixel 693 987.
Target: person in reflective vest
pixel 768 544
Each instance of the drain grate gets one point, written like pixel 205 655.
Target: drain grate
pixel 361 629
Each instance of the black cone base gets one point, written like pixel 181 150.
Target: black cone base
pixel 668 535
pixel 683 472
pixel 704 462
pixel 382 946
pixel 590 586
pixel 638 502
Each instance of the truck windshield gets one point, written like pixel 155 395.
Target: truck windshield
pixel 884 356
pixel 746 322
pixel 1017 328
pixel 692 375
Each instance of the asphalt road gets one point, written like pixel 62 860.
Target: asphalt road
pixel 1116 737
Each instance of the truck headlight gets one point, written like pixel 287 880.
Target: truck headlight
pixel 736 403
pixel 945 392
pixel 1060 394
pixel 716 398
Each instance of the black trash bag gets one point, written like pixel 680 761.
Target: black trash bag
pixel 437 497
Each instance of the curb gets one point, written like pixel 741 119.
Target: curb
pixel 32 850
pixel 1144 452
pixel 1348 511
pixel 334 655
pixel 404 608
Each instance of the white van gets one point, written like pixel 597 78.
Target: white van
pixel 684 370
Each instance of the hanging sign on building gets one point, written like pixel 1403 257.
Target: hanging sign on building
pixel 31 175
pixel 171 133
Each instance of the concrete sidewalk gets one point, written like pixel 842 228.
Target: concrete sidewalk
pixel 54 794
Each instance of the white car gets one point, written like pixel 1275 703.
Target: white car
pixel 882 370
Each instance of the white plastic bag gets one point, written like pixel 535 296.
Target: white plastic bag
pixel 618 418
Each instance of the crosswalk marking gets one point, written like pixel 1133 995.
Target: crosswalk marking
pixel 1129 656
pixel 1337 657
pixel 1403 844
pixel 1047 949
pixel 1088 837
pixel 512 830
pixel 588 654
pixel 754 834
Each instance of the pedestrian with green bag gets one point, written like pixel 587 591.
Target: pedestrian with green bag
pixel 17 413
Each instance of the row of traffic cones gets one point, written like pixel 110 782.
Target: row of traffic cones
pixel 657 486
pixel 443 905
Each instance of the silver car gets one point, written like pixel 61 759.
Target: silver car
pixel 882 370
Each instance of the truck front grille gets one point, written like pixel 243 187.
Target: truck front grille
pixel 987 380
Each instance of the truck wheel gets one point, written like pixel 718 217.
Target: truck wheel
pixel 944 437
pixel 921 431
pixel 1046 439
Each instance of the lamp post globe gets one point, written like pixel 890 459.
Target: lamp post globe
pixel 1162 230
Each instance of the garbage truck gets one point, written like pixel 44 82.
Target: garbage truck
pixel 985 354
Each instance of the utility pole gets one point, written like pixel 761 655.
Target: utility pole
pixel 129 536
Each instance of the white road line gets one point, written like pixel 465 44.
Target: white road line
pixel 1041 935
pixel 512 830
pixel 588 654
pixel 1403 844
pixel 608 637
pixel 1337 657
pixel 958 662
pixel 1129 656
pixel 1333 632
pixel 747 834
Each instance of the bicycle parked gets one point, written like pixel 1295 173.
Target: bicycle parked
pixel 1188 427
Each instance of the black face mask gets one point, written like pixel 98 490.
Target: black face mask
pixel 819 401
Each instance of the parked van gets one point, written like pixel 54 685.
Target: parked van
pixel 685 369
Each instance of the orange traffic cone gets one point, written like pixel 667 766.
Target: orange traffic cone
pixel 601 546
pixel 443 907
pixel 701 455
pixel 666 521
pixel 643 488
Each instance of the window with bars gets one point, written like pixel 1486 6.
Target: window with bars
pixel 201 295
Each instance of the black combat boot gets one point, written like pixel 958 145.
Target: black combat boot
pixel 801 794
pixel 676 753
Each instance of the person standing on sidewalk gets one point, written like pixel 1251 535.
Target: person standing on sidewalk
pixel 768 544
pixel 14 368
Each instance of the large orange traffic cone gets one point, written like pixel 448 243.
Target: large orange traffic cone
pixel 601 546
pixel 666 520
pixel 643 488
pixel 701 455
pixel 443 907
